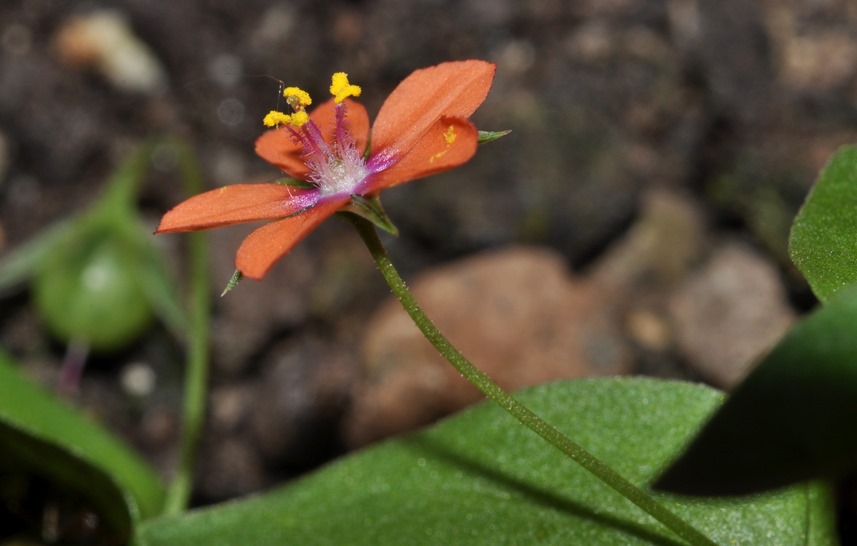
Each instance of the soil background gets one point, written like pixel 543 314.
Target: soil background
pixel 659 152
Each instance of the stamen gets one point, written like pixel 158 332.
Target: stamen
pixel 274 119
pixel 299 119
pixel 341 132
pixel 335 165
pixel 297 98
pixel 341 89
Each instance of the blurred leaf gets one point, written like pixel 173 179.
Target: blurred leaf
pixel 197 339
pixel 792 419
pixel 115 205
pixel 98 277
pixel 44 436
pixel 118 201
pixel 89 290
pixel 20 264
pixel 480 478
pixel 158 284
pixel 823 242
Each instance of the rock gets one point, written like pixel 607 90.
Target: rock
pixel 815 44
pixel 729 313
pixel 103 40
pixel 230 406
pixel 232 467
pixel 658 249
pixel 642 268
pixel 515 313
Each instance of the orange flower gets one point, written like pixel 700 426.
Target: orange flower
pixel 421 129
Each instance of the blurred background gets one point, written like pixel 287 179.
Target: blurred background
pixel 634 222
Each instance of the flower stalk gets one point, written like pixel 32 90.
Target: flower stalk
pixel 196 372
pixel 498 395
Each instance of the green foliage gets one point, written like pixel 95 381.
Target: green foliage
pixel 371 209
pixel 88 290
pixel 823 242
pixel 479 478
pixel 97 277
pixel 44 437
pixel 792 419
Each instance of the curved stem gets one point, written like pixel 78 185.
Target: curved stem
pixel 506 401
pixel 196 372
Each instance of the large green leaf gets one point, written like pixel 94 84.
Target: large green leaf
pixel 481 478
pixel 823 242
pixel 44 437
pixel 792 419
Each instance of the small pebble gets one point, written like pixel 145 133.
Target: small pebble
pixel 138 379
pixel 104 40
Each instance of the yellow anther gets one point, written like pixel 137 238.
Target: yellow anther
pixel 299 119
pixel 275 118
pixel 341 89
pixel 297 97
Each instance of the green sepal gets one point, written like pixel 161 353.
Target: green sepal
pixel 294 182
pixel 489 136
pixel 233 282
pixel 371 209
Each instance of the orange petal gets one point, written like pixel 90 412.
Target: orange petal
pixel 454 89
pixel 279 148
pixel 446 145
pixel 357 118
pixel 262 248
pixel 235 204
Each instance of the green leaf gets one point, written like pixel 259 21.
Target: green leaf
pixel 823 242
pixel 89 290
pixel 233 282
pixel 791 419
pixel 42 436
pixel 490 136
pixel 158 285
pixel 481 478
pixel 117 202
pixel 371 209
pixel 20 264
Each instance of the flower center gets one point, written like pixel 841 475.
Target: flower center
pixel 339 171
pixel 335 164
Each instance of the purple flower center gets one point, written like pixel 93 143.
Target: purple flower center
pixel 336 167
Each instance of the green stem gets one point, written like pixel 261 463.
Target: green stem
pixel 502 398
pixel 196 373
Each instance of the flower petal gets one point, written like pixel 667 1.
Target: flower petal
pixel 262 248
pixel 357 118
pixel 281 149
pixel 454 89
pixel 235 204
pixel 446 145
